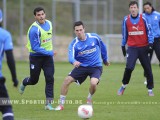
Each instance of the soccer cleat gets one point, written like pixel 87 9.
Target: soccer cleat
pixel 59 107
pixel 89 102
pixel 121 91
pixel 21 88
pixel 150 93
pixel 49 107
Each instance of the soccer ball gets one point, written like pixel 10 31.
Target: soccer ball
pixel 85 111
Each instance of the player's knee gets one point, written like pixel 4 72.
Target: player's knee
pixel 2 80
pixel 94 82
pixel 129 70
pixel 68 80
pixel 34 82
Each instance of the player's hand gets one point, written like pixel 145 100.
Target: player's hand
pixel 107 64
pixel 15 83
pixel 124 50
pixel 76 64
pixel 55 53
pixel 150 48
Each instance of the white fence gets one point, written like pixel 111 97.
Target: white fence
pixel 113 42
pixel 60 44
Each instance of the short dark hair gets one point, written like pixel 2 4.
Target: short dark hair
pixel 133 3
pixel 37 9
pixel 150 4
pixel 78 23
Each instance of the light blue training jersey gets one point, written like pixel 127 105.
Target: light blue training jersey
pixel 154 20
pixel 89 52
pixel 5 44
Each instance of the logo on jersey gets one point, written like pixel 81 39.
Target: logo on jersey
pixel 87 51
pixel 47 40
pixel 32 66
pixel 135 28
pixel 93 44
pixel 49 33
pixel 79 48
pixel 136 31
pixel 155 18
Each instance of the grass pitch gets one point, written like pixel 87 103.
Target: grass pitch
pixel 135 104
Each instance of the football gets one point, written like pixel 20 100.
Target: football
pixel 85 111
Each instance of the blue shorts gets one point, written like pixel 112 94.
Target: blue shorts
pixel 81 73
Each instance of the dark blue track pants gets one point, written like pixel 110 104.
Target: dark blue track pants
pixel 47 65
pixel 141 53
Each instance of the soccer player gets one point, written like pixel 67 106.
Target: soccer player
pixel 6 46
pixel 84 53
pixel 41 55
pixel 139 39
pixel 153 18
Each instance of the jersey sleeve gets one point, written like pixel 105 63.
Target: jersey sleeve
pixel 71 52
pixel 103 49
pixel 124 32
pixel 8 45
pixel 149 31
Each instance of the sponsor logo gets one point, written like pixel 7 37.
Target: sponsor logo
pixel 87 51
pixel 136 33
pixel 47 40
pixel 135 28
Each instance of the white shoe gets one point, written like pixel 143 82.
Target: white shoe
pixel 49 107
pixel 59 108
pixel 89 102
pixel 150 93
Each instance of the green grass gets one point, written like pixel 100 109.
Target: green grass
pixel 133 105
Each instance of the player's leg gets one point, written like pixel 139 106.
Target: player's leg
pixel 6 109
pixel 48 68
pixel 64 90
pixel 35 69
pixel 132 55
pixel 76 75
pixel 157 48
pixel 92 89
pixel 145 62
pixel 95 74
pixel 150 56
pixel 7 113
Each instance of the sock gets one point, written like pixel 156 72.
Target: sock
pixel 8 118
pixel 89 96
pixel 124 86
pixel 62 99
pixel 49 101
pixel 149 90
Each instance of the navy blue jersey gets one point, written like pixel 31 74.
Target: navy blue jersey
pixel 90 52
